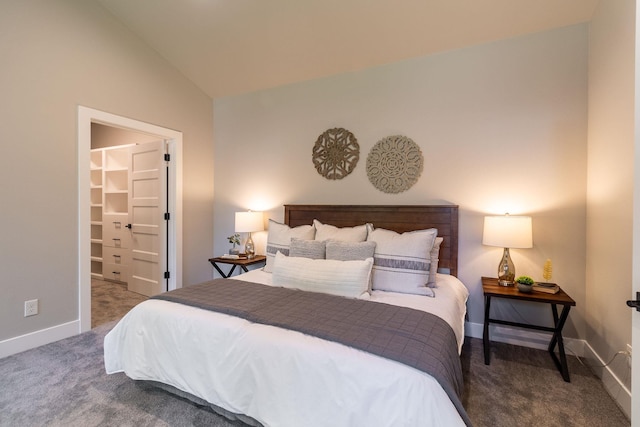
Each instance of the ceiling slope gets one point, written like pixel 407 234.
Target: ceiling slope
pixel 228 47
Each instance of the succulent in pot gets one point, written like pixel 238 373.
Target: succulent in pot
pixel 524 283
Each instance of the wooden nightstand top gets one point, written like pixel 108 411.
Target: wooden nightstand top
pixel 241 261
pixel 490 287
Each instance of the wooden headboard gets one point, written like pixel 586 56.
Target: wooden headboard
pixel 399 218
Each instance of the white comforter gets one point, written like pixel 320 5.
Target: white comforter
pixel 281 377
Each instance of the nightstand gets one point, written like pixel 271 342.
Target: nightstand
pixel 242 263
pixel 491 289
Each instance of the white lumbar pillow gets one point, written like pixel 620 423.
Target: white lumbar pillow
pixel 342 278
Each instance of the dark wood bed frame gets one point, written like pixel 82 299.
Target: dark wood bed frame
pixel 399 218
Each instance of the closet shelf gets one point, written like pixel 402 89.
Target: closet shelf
pixel 109 206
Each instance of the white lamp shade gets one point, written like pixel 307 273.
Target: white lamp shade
pixel 247 222
pixel 507 231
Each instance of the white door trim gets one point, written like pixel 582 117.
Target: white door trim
pixel 635 267
pixel 86 116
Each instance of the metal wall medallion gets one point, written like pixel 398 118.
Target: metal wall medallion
pixel 394 164
pixel 336 153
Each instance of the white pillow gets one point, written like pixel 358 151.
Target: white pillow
pixel 279 239
pixel 342 278
pixel 435 257
pixel 402 261
pixel 345 234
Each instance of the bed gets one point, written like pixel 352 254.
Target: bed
pixel 264 373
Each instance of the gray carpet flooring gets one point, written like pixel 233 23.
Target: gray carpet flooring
pixel 64 384
pixel 522 387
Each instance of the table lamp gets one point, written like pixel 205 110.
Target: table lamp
pixel 507 232
pixel 248 222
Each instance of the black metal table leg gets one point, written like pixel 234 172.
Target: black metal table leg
pixel 236 262
pixel 225 276
pixel 485 334
pixel 561 363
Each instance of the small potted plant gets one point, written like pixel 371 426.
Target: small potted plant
pixel 525 284
pixel 235 240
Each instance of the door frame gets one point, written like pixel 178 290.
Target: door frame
pixel 86 116
pixel 635 266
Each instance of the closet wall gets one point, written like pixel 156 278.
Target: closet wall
pixel 108 136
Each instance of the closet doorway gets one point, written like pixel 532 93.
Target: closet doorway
pixel 133 176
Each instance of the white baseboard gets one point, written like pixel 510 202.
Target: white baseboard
pixel 540 340
pixel 611 382
pixel 35 339
pixel 523 338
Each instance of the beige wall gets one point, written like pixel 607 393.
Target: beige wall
pixel 57 55
pixel 610 180
pixel 502 128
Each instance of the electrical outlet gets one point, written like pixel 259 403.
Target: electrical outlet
pixel 30 308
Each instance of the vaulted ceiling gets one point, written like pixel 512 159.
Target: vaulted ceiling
pixel 228 47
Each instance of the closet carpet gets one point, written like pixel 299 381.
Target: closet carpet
pixel 110 301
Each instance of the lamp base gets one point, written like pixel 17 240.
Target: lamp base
pixel 249 248
pixel 506 270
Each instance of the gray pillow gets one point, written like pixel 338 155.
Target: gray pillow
pixel 433 268
pixel 350 251
pixel 314 249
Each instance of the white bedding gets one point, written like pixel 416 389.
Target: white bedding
pixel 281 377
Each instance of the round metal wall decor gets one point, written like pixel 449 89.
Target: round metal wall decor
pixel 336 153
pixel 394 164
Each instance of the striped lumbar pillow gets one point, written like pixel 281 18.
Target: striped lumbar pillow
pixel 402 261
